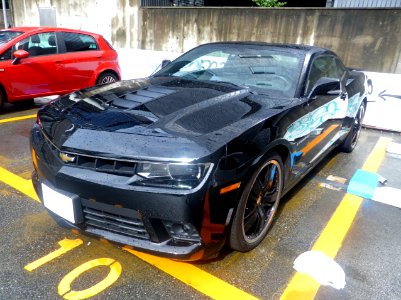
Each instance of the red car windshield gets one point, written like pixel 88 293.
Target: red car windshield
pixel 6 36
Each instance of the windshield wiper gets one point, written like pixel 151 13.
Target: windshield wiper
pixel 229 83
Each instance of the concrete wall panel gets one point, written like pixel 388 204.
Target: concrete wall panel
pixel 115 20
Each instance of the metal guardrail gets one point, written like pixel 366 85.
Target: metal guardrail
pixel 366 3
pixel 172 2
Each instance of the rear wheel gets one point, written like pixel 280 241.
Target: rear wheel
pixel 258 205
pixel 353 136
pixel 106 78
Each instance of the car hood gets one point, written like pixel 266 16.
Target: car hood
pixel 156 118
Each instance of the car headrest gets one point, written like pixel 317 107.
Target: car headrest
pixel 52 40
pixel 35 39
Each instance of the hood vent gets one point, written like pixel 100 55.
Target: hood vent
pixel 139 97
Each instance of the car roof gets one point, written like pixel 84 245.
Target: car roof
pixel 295 47
pixel 31 29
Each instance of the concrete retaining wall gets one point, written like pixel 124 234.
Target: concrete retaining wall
pixel 365 38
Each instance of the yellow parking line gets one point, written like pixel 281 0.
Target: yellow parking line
pixel 20 184
pixel 17 119
pixel 197 278
pixel 330 240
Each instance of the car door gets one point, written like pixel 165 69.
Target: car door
pixel 82 59
pixel 326 110
pixel 5 63
pixel 38 74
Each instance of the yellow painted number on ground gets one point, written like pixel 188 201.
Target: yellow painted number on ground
pixel 64 287
pixel 65 246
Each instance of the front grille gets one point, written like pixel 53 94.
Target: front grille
pixel 98 164
pixel 123 221
pixel 126 168
pixel 104 165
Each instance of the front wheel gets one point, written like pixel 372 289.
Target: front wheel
pixel 258 205
pixel 353 135
pixel 2 100
pixel 106 78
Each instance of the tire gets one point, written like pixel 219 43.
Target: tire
pixel 258 205
pixel 106 78
pixel 24 104
pixel 2 100
pixel 352 138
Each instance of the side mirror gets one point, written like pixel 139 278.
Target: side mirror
pixel 326 86
pixel 165 62
pixel 19 54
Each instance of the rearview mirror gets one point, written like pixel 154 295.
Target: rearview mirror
pixel 165 62
pixel 19 54
pixel 326 86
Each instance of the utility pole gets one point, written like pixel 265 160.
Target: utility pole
pixel 5 14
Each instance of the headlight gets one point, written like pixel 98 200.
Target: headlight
pixel 172 175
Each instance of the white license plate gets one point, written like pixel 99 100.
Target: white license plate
pixel 58 203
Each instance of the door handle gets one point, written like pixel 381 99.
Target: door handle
pixel 344 95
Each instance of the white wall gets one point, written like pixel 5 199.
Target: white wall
pixel 384 104
pixel 141 63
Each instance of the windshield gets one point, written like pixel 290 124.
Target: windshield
pixel 272 69
pixel 6 36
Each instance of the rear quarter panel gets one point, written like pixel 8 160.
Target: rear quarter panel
pixel 357 92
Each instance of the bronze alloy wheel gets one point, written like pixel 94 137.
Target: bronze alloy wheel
pixel 258 205
pixel 353 136
pixel 357 126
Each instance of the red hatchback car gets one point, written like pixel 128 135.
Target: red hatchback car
pixel 43 61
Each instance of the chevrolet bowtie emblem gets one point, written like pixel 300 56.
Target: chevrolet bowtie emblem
pixel 68 158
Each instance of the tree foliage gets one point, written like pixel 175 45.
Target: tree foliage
pixel 269 3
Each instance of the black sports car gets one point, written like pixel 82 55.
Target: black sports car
pixel 198 154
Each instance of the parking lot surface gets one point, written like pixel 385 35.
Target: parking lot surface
pixel 40 260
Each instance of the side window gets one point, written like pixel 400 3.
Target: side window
pixel 6 55
pixel 322 66
pixel 79 42
pixel 39 44
pixel 340 67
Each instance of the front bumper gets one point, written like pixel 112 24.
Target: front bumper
pixel 127 226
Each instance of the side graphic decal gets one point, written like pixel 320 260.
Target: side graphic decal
pixel 336 108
